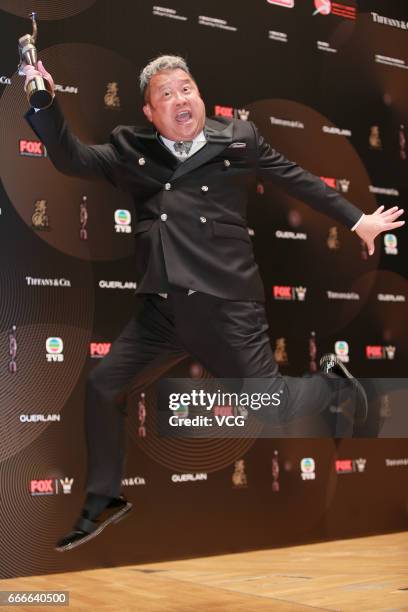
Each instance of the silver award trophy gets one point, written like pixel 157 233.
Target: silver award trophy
pixel 39 91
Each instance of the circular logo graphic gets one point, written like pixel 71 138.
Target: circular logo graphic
pixel 390 240
pixel 54 346
pixel 341 347
pixel 307 465
pixel 122 217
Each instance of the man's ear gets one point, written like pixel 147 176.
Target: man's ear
pixel 148 112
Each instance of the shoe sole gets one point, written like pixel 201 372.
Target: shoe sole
pixel 115 518
pixel 331 360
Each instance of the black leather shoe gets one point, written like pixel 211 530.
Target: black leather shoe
pixel 86 529
pixel 331 364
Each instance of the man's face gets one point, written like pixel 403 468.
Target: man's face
pixel 174 105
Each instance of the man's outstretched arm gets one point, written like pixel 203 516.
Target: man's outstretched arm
pixel 68 154
pixel 313 191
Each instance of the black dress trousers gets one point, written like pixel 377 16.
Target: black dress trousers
pixel 228 337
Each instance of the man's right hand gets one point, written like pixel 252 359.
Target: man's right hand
pixel 31 72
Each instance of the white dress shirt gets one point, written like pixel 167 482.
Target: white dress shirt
pixel 198 143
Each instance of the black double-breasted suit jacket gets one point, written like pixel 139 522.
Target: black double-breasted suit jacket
pixel 191 226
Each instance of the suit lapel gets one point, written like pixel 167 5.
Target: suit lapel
pixel 149 144
pixel 218 137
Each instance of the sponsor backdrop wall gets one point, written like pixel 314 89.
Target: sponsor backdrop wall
pixel 327 84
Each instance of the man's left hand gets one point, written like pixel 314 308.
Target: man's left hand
pixel 376 223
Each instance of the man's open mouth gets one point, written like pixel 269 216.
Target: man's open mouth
pixel 183 116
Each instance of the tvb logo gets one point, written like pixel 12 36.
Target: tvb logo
pixel 308 468
pixel 391 244
pixel 123 220
pixel 54 347
pixel 342 350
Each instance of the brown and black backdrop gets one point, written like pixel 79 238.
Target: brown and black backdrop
pixel 327 84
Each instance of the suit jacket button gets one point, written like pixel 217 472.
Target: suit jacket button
pixel 167 186
pixel 204 188
pixel 227 163
pixel 142 161
pixel 203 219
pixel 163 217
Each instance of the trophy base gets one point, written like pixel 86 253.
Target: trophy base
pixel 39 93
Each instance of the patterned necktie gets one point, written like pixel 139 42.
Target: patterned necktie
pixel 183 147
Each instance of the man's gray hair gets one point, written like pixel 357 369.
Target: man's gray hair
pixel 163 62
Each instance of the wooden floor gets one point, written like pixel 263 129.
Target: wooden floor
pixel 365 574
